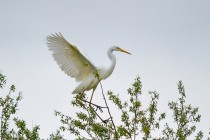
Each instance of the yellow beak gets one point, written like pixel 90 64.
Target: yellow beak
pixel 120 49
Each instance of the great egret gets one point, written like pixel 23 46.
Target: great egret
pixel 77 66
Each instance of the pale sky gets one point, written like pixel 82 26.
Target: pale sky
pixel 169 41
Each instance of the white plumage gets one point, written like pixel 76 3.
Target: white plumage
pixel 76 65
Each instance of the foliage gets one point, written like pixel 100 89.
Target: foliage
pixel 185 116
pixel 87 121
pixel 56 136
pixel 23 133
pixel 137 121
pixel 8 108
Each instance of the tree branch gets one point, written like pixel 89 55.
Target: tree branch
pixel 108 108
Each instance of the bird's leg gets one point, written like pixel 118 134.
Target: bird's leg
pixel 91 97
pixel 97 106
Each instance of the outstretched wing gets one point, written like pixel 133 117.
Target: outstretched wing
pixel 69 58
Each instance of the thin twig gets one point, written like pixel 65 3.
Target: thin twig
pixel 135 116
pixel 96 74
pixel 108 108
pixel 104 121
pixel 97 106
pixel 1 125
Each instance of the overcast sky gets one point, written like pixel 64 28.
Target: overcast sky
pixel 169 41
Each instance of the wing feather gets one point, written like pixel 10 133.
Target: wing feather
pixel 69 58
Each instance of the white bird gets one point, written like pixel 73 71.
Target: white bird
pixel 77 66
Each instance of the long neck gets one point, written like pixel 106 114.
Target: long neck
pixel 113 62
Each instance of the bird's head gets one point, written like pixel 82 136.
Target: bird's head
pixel 116 48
